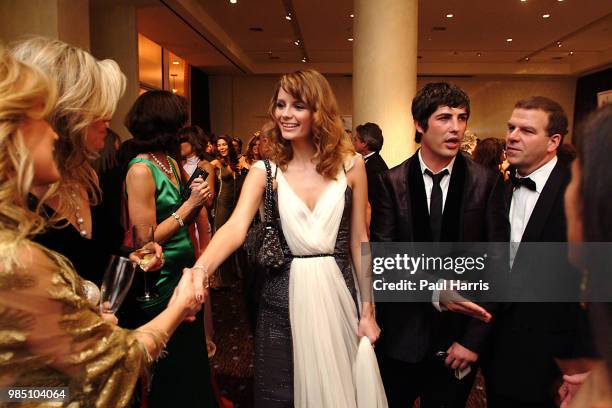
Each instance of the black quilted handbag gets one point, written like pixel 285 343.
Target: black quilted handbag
pixel 263 243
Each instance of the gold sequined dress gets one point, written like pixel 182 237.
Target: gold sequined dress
pixel 50 336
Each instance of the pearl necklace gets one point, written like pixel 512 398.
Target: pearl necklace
pixel 165 169
pixel 79 219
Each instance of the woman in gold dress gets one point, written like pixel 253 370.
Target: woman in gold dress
pixel 50 335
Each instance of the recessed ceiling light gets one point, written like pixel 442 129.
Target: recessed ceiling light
pixel 545 15
pixel 233 1
pixel 559 44
pixel 297 42
pixel 351 15
pixel 450 15
pixel 350 38
pixel 304 59
pixel 571 53
pixel 288 16
pixel 176 63
pixel 559 1
pixel 523 1
pixel 526 58
pixel 479 54
pixel 508 39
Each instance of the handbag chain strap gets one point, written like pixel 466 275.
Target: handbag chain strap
pixel 268 195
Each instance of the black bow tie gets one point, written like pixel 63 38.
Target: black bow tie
pixel 522 181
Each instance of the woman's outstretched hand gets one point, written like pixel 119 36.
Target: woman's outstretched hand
pixel 200 282
pixel 184 296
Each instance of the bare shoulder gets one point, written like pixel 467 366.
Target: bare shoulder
pixel 139 170
pixel 355 168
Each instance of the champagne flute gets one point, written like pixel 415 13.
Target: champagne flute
pixel 116 283
pixel 143 237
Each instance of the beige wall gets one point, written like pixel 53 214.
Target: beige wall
pixel 492 98
pixel 66 20
pixel 238 104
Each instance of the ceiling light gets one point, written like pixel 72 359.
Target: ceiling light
pixel 297 42
pixel 350 38
pixel 450 15
pixel 351 15
pixel 175 63
pixel 571 53
pixel 559 1
pixel 479 54
pixel 233 1
pixel 523 1
pixel 545 15
pixel 304 59
pixel 508 39
pixel 288 16
pixel 559 44
pixel 526 58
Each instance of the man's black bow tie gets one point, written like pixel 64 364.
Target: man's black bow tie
pixel 522 181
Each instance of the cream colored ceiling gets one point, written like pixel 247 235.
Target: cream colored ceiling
pixel 215 35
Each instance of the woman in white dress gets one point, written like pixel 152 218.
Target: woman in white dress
pixel 308 351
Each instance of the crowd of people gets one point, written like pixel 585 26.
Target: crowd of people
pixel 71 195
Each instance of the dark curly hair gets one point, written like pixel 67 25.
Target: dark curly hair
pixel 155 119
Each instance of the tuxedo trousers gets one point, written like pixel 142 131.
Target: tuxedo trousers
pixel 430 380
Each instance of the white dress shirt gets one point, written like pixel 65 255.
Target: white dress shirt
pixel 444 183
pixel 523 202
pixel 191 163
pixel 367 156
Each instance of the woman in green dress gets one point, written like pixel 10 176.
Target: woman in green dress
pixel 153 189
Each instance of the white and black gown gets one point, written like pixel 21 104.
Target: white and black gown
pixel 307 352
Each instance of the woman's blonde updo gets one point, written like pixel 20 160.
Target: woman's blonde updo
pixel 88 91
pixel 25 92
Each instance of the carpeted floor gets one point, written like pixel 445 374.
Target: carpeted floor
pixel 233 362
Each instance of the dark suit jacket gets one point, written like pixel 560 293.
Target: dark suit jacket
pixel 528 336
pixel 400 214
pixel 374 165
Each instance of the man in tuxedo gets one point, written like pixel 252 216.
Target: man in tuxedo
pixel 520 368
pixel 437 195
pixel 368 141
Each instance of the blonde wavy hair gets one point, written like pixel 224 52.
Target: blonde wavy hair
pixel 332 146
pixel 88 91
pixel 25 92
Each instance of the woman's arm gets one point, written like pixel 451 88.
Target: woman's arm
pixel 357 180
pixel 141 201
pixel 232 234
pixel 41 299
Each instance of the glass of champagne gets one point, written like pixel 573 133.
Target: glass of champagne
pixel 116 283
pixel 143 238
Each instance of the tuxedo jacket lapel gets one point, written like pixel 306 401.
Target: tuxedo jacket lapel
pixel 452 217
pixel 543 207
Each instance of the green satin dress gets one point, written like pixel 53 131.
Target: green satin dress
pixel 178 250
pixel 182 378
